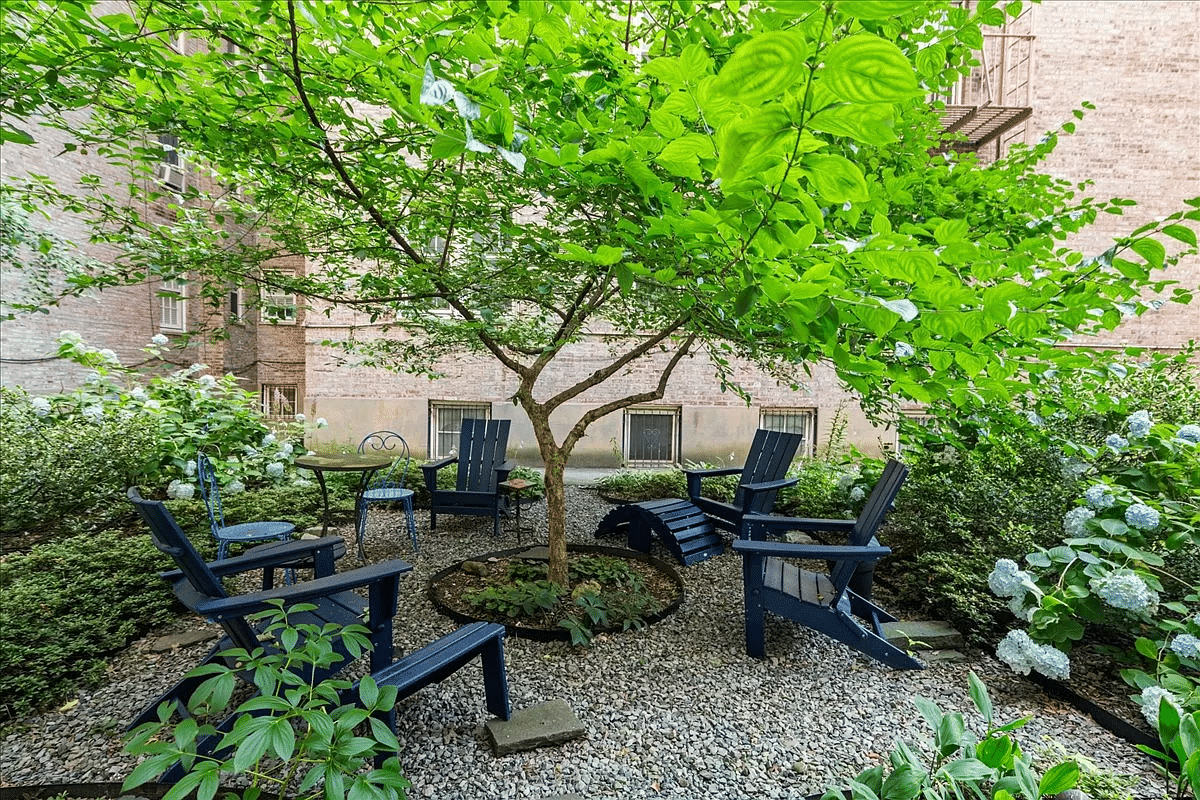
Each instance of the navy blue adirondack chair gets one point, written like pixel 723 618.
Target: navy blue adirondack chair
pixel 388 486
pixel 481 469
pixel 762 476
pixel 242 532
pixel 197 584
pixel 832 603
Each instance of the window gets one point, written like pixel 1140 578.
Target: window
pixel 651 436
pixel 445 424
pixel 172 304
pixel 279 399
pixel 171 170
pixel 278 305
pixel 237 304
pixel 793 420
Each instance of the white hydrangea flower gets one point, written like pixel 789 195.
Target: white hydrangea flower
pixel 301 481
pixel 194 368
pixel 1007 579
pixel 94 413
pixel 178 490
pixel 110 357
pixel 1142 517
pixel 1023 654
pixel 321 423
pixel 857 494
pixel 41 406
pixel 1098 497
pixel 207 381
pixel 138 394
pixel 300 418
pixel 1124 589
pixel 70 336
pixel 904 350
pixel 1019 609
pixel 1186 646
pixel 1116 442
pixel 159 339
pixel 235 487
pixel 153 405
pixel 1152 697
pixel 1189 433
pixel 1139 423
pixel 286 448
pixel 250 450
pixel 275 469
pixel 1075 520
pixel 189 468
pixel 268 440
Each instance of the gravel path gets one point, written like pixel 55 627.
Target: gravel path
pixel 675 710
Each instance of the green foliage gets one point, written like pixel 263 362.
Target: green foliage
pixel 993 766
pixel 64 472
pixel 295 738
pixel 1179 735
pixel 636 485
pixel 68 604
pixel 1114 565
pixel 523 598
pixel 960 511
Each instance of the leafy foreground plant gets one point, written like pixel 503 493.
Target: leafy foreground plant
pixel 294 738
pixel 1180 737
pixel 993 767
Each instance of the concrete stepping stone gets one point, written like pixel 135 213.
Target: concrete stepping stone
pixel 540 725
pixel 922 635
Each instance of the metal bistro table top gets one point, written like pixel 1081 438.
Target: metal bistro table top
pixel 345 462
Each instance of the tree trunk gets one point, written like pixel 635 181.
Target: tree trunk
pixel 554 458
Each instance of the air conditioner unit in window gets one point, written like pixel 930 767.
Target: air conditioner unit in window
pixel 171 175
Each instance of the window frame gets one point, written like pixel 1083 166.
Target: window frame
pixel 270 297
pixel 171 170
pixel 438 430
pixel 808 445
pixel 267 402
pixel 172 295
pixel 675 443
pixel 237 304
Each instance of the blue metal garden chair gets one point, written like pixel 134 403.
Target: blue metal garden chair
pixel 242 533
pixel 388 486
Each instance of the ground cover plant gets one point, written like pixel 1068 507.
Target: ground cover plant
pixel 759 181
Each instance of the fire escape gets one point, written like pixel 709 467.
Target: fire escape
pixel 989 107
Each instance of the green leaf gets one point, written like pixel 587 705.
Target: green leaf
pixel 903 784
pixel 763 67
pixel 876 9
pixel 980 697
pixel 836 179
pixel 666 123
pixel 1059 778
pixel 445 146
pixel 1151 250
pixel 1181 233
pixel 15 135
pixel 867 69
pixel 870 123
pixel 1146 647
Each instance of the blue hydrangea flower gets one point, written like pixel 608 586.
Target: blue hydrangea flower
pixel 904 350
pixel 299 418
pixel 1186 646
pixel 1023 654
pixel 1098 497
pixel 857 494
pixel 178 490
pixel 158 340
pixel 235 487
pixel 1189 433
pixel 41 406
pixel 1142 517
pixel 1007 579
pixel 1020 610
pixel 1075 520
pixel 1116 442
pixel 1124 589
pixel 1139 423
pixel 275 469
pixel 1152 697
pixel 268 440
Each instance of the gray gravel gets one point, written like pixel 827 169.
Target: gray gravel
pixel 675 710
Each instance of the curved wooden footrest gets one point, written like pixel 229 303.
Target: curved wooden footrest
pixel 685 530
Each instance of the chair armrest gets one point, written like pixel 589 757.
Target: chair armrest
pixel 242 604
pixel 767 486
pixel 279 555
pixel 429 471
pixel 822 552
pixel 695 476
pixel 771 521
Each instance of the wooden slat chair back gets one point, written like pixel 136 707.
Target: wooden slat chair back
pixel 762 476
pixel 481 468
pixel 834 603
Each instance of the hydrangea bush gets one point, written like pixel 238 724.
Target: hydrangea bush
pixel 122 427
pixel 1116 565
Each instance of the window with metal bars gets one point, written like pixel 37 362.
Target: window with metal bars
pixel 445 424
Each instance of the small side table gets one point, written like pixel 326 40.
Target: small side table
pixel 516 486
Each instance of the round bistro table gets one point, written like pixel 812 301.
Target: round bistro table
pixel 365 463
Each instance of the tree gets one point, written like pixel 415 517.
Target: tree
pixel 758 180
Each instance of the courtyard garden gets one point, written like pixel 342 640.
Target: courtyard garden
pixel 1066 550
